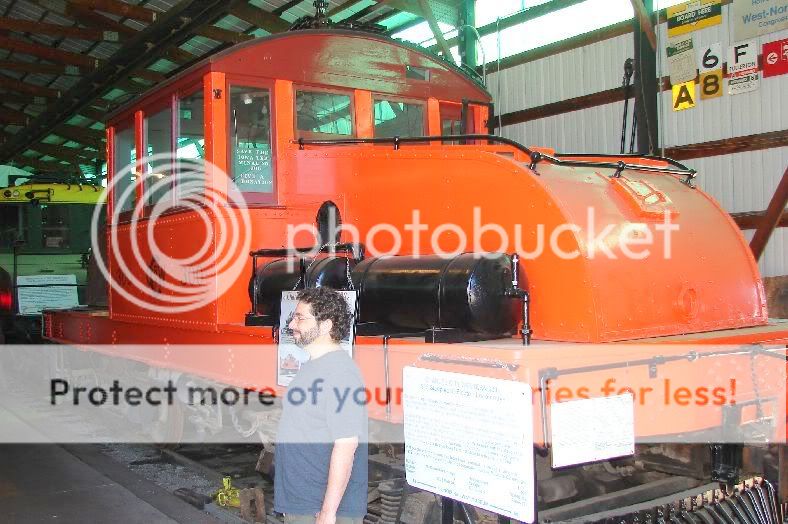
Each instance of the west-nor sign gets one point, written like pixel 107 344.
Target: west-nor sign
pixel 758 17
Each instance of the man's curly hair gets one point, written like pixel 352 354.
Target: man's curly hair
pixel 327 304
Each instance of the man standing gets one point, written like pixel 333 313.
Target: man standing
pixel 321 449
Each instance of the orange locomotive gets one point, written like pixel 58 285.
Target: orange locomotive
pixel 327 126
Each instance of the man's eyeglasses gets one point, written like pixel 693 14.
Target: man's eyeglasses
pixel 298 317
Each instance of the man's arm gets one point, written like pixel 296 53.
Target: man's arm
pixel 339 470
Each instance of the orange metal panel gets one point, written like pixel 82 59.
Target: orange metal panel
pixel 215 94
pixel 364 114
pixel 433 117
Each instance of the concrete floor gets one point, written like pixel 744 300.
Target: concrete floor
pixel 65 484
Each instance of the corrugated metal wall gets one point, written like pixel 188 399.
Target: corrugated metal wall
pixel 571 74
pixel 741 181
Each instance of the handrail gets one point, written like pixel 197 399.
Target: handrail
pixel 535 156
pixel 397 140
pixel 670 161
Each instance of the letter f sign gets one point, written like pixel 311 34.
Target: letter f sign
pixel 738 51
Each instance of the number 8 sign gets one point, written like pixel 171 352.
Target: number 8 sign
pixel 710 71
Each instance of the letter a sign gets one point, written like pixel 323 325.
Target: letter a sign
pixel 684 96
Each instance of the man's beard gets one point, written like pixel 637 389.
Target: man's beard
pixel 307 337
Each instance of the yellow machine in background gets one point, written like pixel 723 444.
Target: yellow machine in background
pixel 44 230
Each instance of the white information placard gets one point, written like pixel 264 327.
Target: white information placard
pixel 681 59
pixel 49 292
pixel 290 356
pixel 743 67
pixel 592 429
pixel 470 438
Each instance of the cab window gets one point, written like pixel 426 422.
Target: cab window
pixel 125 157
pixel 396 118
pixel 158 133
pixel 190 143
pixel 320 112
pixel 250 139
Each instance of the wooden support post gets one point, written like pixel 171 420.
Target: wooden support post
pixel 773 215
pixel 645 83
pixel 646 25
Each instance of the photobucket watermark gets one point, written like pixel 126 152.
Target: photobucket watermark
pixel 590 238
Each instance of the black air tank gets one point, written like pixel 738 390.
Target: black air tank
pixel 470 291
pixel 284 275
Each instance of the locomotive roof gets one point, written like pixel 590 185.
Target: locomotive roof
pixel 215 61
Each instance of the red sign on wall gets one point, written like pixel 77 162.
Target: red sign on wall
pixel 775 58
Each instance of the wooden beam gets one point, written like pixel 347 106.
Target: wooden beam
pixel 609 96
pixel 174 26
pixel 531 13
pixel 752 219
pixel 48 166
pixel 598 35
pixel 14 117
pixel 93 113
pixel 575 42
pixel 179 56
pixel 285 7
pixel 774 213
pixel 47 52
pixel 260 18
pixel 728 146
pixel 83 135
pixel 223 35
pixel 22 98
pixel 70 154
pixel 147 74
pixel 347 4
pixel 426 10
pixel 383 16
pixel 130 85
pixel 646 22
pixel 361 13
pixel 40 68
pixel 118 8
pixel 19 86
pixel 56 30
pixel 89 18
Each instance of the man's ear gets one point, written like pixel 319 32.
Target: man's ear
pixel 325 326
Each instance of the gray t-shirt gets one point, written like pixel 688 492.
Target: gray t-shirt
pixel 325 401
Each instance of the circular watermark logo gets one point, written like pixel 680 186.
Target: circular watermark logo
pixel 184 268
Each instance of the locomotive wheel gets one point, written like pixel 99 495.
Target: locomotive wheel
pixel 168 429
